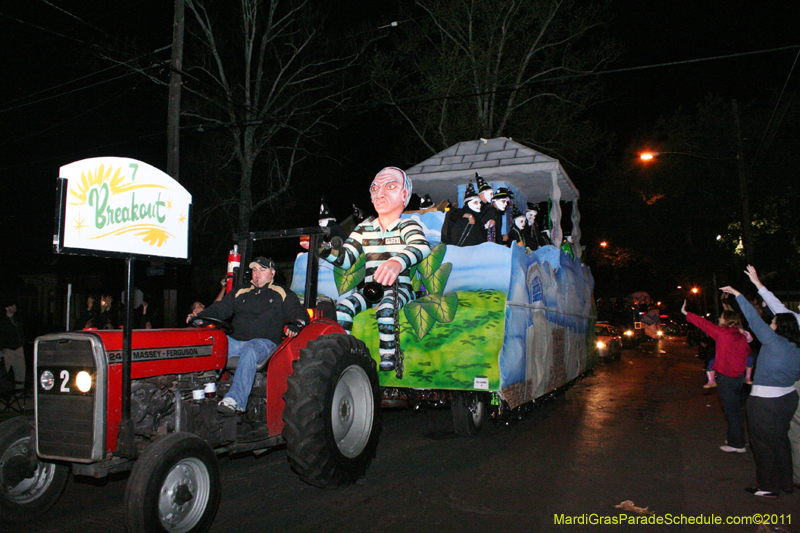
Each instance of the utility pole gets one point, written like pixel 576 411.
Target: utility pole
pixel 174 108
pixel 747 229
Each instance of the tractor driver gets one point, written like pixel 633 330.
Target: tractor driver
pixel 392 246
pixel 259 312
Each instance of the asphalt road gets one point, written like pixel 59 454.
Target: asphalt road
pixel 638 429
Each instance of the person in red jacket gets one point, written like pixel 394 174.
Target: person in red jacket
pixel 729 364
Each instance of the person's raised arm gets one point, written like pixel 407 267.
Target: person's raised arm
pixel 760 328
pixel 711 329
pixel 772 301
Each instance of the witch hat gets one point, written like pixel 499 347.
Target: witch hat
pixel 470 194
pixel 482 185
pixel 502 193
pixel 324 212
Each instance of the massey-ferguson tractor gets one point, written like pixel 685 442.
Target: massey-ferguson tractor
pixel 318 394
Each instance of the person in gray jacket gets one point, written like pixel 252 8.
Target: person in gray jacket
pixel 776 306
pixel 773 398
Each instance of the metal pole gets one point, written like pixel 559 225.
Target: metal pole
pixel 125 444
pixel 312 269
pixel 69 299
pixel 174 105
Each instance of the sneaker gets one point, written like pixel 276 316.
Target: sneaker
pixel 387 362
pixel 228 407
pixel 731 449
pixel 763 493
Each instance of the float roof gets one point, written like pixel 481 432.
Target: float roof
pixel 499 159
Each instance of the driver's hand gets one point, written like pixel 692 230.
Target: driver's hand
pixel 387 272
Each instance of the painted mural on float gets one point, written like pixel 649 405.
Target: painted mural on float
pixel 493 318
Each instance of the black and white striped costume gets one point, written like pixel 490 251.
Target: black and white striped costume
pixel 402 241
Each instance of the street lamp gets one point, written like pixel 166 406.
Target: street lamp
pixel 649 156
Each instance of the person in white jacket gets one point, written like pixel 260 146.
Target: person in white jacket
pixel 776 306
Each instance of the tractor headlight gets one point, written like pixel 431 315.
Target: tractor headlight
pixel 47 380
pixel 600 345
pixel 83 381
pixel 628 333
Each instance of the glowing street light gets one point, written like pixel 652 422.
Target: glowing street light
pixel 694 290
pixel 603 244
pixel 649 156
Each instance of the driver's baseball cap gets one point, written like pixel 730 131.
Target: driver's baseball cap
pixel 263 262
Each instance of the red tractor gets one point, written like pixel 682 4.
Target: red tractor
pixel 318 394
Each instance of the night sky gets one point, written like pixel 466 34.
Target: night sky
pixel 60 102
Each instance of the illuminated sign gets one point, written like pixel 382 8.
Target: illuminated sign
pixel 125 206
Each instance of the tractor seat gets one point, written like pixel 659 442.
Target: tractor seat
pixel 233 363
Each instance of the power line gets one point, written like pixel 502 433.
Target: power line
pixel 774 110
pixel 59 95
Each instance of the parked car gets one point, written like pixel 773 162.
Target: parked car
pixel 609 341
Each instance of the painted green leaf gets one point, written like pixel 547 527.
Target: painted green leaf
pixel 446 307
pixel 419 315
pixel 350 278
pixel 415 281
pixel 429 265
pixel 437 282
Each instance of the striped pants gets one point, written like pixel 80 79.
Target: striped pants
pixel 355 303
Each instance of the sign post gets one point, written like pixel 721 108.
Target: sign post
pixel 124 208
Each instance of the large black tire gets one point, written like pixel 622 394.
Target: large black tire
pixel 174 487
pixel 26 491
pixel 470 412
pixel 333 411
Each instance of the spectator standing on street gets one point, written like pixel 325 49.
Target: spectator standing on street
pixel 776 307
pixel 729 364
pixel 773 398
pixel 12 341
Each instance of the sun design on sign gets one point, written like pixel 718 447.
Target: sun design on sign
pixel 79 225
pixel 182 218
pixel 105 174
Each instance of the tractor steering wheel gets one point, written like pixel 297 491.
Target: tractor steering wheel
pixel 205 321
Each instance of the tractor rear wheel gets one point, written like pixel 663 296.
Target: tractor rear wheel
pixel 333 411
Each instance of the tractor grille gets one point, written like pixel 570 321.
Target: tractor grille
pixel 69 423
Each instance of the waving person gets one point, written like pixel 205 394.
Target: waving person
pixel 776 307
pixel 729 364
pixel 773 399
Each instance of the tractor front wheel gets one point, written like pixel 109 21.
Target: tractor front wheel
pixel 174 487
pixel 28 486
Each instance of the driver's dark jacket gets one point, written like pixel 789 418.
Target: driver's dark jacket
pixel 258 313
